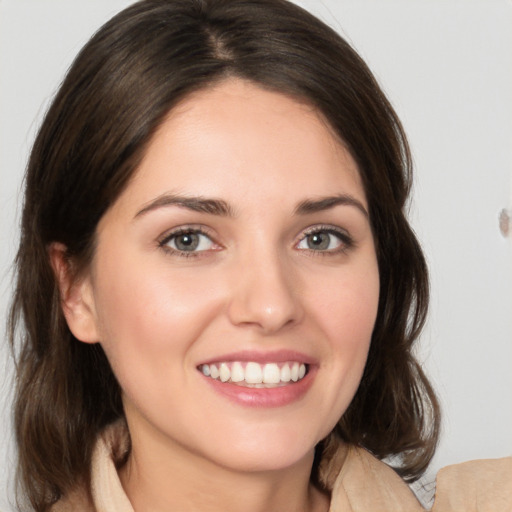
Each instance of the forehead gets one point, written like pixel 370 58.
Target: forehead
pixel 237 138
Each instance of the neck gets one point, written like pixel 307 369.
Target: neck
pixel 159 477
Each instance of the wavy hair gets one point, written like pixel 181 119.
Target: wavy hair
pixel 121 86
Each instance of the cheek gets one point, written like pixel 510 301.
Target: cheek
pixel 146 312
pixel 150 322
pixel 347 316
pixel 348 309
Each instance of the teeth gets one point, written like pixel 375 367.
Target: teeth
pixel 224 372
pixel 295 372
pixel 255 374
pixel 237 372
pixel 286 376
pixel 214 372
pixel 271 374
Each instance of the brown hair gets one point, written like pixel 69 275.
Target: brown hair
pixel 114 97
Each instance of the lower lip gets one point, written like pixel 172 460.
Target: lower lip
pixel 263 397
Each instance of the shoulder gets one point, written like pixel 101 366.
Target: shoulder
pixel 475 486
pixel 359 481
pixel 365 483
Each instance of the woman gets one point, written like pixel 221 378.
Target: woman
pixel 218 286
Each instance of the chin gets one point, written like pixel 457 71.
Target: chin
pixel 264 451
pixel 265 460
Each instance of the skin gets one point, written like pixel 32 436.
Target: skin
pixel 254 284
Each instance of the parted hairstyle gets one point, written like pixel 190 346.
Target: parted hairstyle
pixel 116 94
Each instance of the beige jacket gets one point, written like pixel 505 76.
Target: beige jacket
pixel 359 483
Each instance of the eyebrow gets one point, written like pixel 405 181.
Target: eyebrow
pixel 325 203
pixel 196 204
pixel 222 208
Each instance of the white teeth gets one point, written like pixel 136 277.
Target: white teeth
pixel 237 372
pixel 295 372
pixel 271 374
pixel 255 374
pixel 286 376
pixel 224 372
pixel 214 372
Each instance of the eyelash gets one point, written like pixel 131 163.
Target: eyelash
pixel 346 241
pixel 185 230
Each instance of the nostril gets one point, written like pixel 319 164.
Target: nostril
pixel 269 310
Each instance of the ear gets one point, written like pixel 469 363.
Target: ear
pixel 76 296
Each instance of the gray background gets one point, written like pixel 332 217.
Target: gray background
pixel 447 68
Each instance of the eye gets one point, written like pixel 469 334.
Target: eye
pixel 325 240
pixel 187 241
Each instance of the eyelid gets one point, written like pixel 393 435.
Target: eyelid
pixel 164 239
pixel 347 242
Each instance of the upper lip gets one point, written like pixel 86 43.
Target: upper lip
pixel 273 356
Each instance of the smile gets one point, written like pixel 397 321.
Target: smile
pixel 256 375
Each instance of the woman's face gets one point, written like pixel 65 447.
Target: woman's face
pixel 239 257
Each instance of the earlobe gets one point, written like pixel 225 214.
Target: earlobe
pixel 76 296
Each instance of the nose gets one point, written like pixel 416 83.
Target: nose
pixel 265 294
